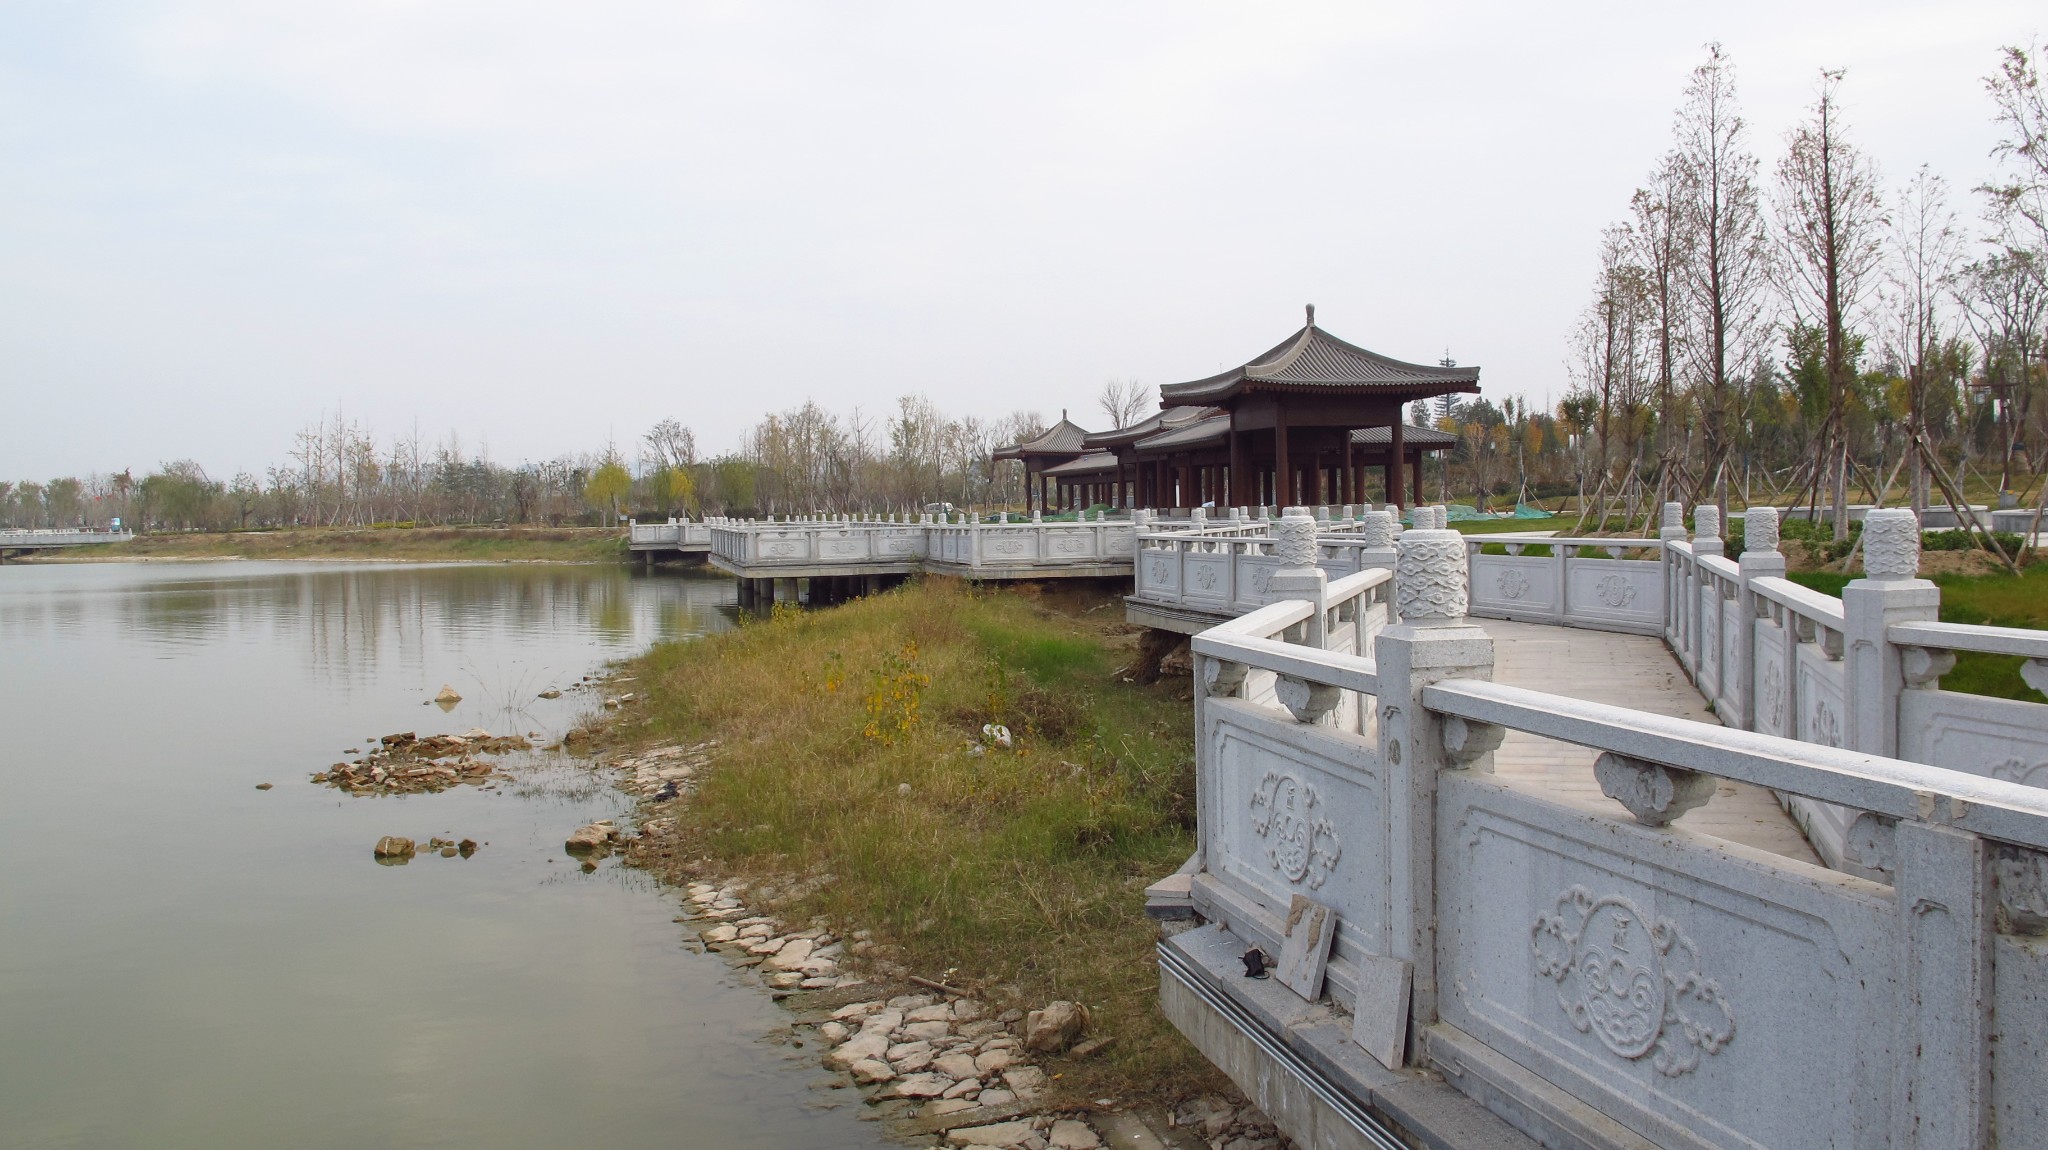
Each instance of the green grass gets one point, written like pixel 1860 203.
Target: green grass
pixel 474 544
pixel 1509 526
pixel 1993 600
pixel 1019 872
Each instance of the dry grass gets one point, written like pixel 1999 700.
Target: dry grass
pixel 1019 872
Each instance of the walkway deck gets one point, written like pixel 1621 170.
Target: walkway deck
pixel 1628 671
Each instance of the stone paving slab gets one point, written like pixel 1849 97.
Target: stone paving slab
pixel 1627 671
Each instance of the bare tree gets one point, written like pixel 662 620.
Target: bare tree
pixel 1925 250
pixel 1725 273
pixel 2021 105
pixel 1657 230
pixel 1124 401
pixel 1832 229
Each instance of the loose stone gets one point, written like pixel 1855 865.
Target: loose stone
pixel 859 1047
pixel 869 1071
pixel 1067 1134
pixel 999 1134
pixel 922 1086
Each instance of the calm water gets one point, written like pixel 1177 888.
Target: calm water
pixel 188 961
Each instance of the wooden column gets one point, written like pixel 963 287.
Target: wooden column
pixel 1238 494
pixel 1283 469
pixel 1397 451
pixel 1350 484
pixel 1417 467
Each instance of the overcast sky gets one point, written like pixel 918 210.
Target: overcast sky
pixel 543 225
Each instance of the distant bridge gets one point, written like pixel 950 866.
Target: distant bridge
pixel 20 540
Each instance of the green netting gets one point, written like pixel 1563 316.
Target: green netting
pixel 1462 513
pixel 1524 511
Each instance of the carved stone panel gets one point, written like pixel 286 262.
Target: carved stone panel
pixel 1655 976
pixel 1290 816
pixel 1772 695
pixel 1514 586
pixel 1629 592
pixel 1207 577
pixel 1997 738
pixel 1289 809
pixel 1821 710
pixel 1632 980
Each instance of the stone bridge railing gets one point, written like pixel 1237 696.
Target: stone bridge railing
pixel 31 538
pixel 1597 978
pixel 674 533
pixel 1005 548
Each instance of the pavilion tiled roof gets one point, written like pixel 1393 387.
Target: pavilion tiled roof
pixel 1062 438
pixel 1164 420
pixel 1411 436
pixel 1098 462
pixel 1314 360
pixel 1214 431
pixel 1205 432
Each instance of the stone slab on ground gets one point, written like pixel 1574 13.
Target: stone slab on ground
pixel 995 1134
pixel 978 1116
pixel 1125 1131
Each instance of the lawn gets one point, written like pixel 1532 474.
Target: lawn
pixel 1996 600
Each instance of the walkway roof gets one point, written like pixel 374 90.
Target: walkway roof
pixel 1101 462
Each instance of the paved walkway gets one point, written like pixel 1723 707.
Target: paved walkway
pixel 1627 671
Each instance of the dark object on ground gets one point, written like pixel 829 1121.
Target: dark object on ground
pixel 1256 962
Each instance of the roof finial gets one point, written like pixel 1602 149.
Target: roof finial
pixel 1063 415
pixel 1311 315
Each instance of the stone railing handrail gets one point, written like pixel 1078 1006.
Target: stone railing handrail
pixel 1249 638
pixel 2026 642
pixel 1516 542
pixel 1895 788
pixel 1805 602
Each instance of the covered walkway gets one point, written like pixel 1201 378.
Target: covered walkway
pixel 1626 671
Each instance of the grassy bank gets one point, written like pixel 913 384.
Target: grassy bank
pixel 1998 600
pixel 418 544
pixel 847 739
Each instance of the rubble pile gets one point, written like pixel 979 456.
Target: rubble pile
pixel 406 763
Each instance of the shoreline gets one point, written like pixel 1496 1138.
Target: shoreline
pixel 937 1064
pixel 570 545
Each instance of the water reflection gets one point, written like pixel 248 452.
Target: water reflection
pixel 188 961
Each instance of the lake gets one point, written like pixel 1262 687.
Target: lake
pixel 187 961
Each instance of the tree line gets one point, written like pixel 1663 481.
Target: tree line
pixel 339 473
pixel 1812 333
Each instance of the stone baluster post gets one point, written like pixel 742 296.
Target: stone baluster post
pixel 1198 519
pixel 1891 591
pixel 1294 541
pixel 1760 559
pixel 1433 641
pixel 1705 599
pixel 1672 531
pixel 1378 529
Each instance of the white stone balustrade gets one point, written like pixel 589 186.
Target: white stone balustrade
pixel 1033 548
pixel 1607 979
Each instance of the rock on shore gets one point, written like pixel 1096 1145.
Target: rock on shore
pixel 405 763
